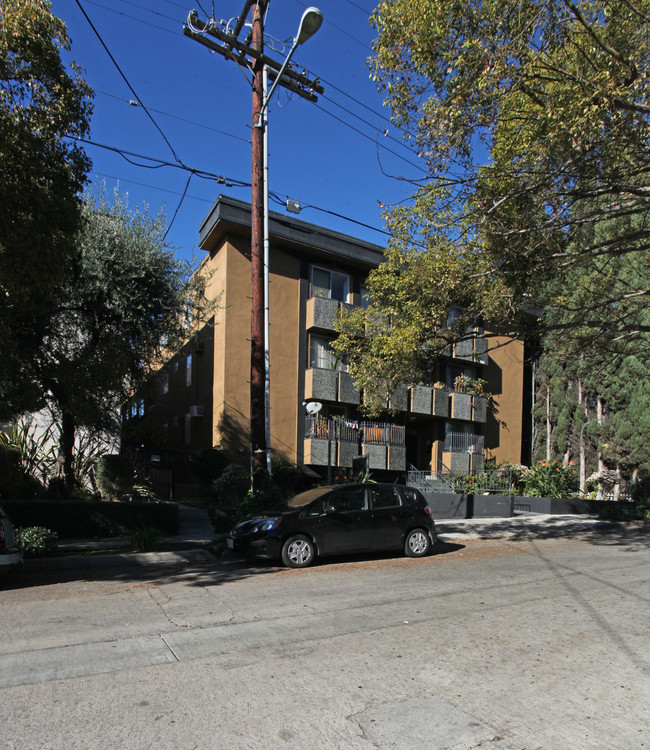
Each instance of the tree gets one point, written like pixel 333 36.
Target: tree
pixel 41 174
pixel 128 300
pixel 531 118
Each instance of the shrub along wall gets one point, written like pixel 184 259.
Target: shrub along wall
pixel 75 519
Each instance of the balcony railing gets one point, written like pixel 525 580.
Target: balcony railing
pixel 462 442
pixel 352 431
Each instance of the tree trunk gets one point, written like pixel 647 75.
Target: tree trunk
pixel 601 463
pixel 582 451
pixel 548 423
pixel 66 448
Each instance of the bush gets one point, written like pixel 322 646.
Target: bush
pixel 550 479
pixel 623 512
pixel 119 477
pixel 144 539
pixel 36 541
pixel 232 485
pixel 15 483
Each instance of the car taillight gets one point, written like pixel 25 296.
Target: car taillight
pixel 427 510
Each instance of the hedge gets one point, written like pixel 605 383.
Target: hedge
pixel 79 519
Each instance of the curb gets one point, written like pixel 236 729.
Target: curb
pixel 126 559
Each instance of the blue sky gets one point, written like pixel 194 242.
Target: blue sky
pixel 340 155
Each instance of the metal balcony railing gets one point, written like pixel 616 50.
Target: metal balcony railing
pixel 352 431
pixel 462 442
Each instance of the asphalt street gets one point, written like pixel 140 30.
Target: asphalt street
pixel 507 644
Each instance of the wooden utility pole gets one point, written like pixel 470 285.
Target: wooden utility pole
pixel 257 426
pixel 221 38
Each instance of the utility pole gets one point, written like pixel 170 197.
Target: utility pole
pixel 218 37
pixel 258 412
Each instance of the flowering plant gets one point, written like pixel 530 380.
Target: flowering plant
pixel 551 479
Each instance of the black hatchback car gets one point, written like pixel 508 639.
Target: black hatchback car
pixel 339 520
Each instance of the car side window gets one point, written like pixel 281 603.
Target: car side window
pixel 384 497
pixel 411 495
pixel 349 500
pixel 317 508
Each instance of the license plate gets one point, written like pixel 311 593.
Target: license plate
pixel 229 543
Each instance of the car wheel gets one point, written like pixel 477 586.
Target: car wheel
pixel 417 543
pixel 298 552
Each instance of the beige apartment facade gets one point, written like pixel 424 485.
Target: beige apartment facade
pixel 202 395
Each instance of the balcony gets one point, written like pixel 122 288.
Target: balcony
pixel 463 442
pixel 322 313
pixel 383 443
pixel 462 452
pixel 329 384
pixel 473 349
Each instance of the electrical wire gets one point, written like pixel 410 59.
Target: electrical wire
pixel 175 117
pixel 370 138
pixel 159 163
pixel 246 74
pixel 132 18
pixel 126 80
pixel 150 187
pixel 276 198
pixel 178 207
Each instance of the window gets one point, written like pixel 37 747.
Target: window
pixel 188 371
pixel 322 357
pixel 384 497
pixel 410 494
pixel 455 371
pixel 330 284
pixel 349 500
pixel 365 298
pixel 164 383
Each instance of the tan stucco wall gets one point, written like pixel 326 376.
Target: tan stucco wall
pixel 505 376
pixel 285 332
pixel 230 269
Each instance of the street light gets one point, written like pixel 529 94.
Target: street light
pixel 310 22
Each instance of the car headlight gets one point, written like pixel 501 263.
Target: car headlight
pixel 266 525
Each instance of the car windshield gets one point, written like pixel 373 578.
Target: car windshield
pixel 304 498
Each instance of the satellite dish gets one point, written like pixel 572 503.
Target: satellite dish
pixel 313 407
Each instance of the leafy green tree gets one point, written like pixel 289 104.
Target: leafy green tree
pixel 41 175
pixel 531 118
pixel 128 299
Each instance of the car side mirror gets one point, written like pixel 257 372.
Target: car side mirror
pixel 331 510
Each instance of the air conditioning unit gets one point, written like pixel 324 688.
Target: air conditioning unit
pixel 196 411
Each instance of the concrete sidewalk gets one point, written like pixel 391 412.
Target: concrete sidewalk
pixel 196 534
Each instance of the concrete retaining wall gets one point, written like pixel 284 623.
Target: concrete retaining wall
pixel 504 506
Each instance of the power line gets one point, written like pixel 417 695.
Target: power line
pixel 158 163
pixel 175 117
pixel 341 91
pixel 151 187
pixel 126 80
pixel 178 207
pixel 132 18
pixel 370 138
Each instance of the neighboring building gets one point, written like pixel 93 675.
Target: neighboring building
pixel 203 392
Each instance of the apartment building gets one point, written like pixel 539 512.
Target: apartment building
pixel 202 397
